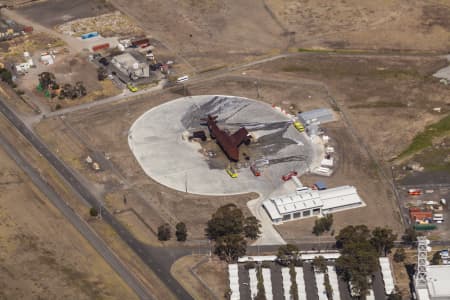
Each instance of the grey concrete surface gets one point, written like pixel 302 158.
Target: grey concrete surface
pixel 156 140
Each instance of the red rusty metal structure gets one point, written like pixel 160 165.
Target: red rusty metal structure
pixel 100 47
pixel 228 143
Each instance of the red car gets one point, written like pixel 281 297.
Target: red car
pixel 289 175
pixel 255 170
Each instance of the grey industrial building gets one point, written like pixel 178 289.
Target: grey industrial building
pixel 316 116
pixel 134 65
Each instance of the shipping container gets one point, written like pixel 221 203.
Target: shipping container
pixel 415 192
pixel 28 29
pixel 100 47
pixel 89 35
pixel 141 42
pixel 420 227
pixel 421 215
pixel 414 208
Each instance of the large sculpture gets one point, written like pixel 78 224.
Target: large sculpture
pixel 228 143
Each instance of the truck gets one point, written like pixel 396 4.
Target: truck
pixel 255 170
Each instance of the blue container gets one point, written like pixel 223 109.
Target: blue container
pixel 89 35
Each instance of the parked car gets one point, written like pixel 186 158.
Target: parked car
pixel 299 126
pixel 132 88
pixel 104 61
pixel 231 172
pixel 289 175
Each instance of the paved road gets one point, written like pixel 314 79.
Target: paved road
pixel 77 222
pixel 159 261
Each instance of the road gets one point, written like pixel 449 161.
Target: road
pixel 159 261
pixel 85 230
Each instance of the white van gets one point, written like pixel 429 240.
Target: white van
pixel 182 79
pixel 438 218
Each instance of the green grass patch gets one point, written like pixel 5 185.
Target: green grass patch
pixel 425 138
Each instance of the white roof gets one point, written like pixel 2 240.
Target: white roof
pixel 311 256
pixel 334 282
pixel 422 294
pixel 339 196
pixel 234 281
pixel 301 200
pixel 271 210
pixel 385 265
pixel 257 258
pixel 438 281
pixel 286 276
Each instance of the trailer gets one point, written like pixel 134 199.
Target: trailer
pixel 100 47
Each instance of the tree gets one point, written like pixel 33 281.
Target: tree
pixel 230 247
pixel 294 288
pixel 181 232
pixel 323 224
pixel 410 236
pixel 93 212
pixel 436 260
pixel 228 219
pixel 383 240
pixel 101 74
pixel 287 254
pixel 353 234
pixel 327 222
pixel 252 227
pixel 320 263
pixel 318 227
pixel 399 255
pixel 261 294
pixel 359 258
pixel 6 76
pixel 328 287
pixel 395 295
pixel 164 232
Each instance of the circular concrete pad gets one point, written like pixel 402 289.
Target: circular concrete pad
pixel 158 140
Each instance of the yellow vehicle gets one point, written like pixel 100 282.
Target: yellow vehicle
pixel 132 88
pixel 231 172
pixel 299 126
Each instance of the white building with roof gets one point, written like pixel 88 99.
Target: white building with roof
pixel 131 64
pixel 437 285
pixel 307 203
pixel 316 116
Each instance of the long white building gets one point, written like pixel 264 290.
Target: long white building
pixel 307 203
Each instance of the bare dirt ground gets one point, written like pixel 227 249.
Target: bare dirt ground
pixel 399 25
pixel 211 33
pixel 204 278
pixel 42 255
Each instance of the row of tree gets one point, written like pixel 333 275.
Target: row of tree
pixel 229 229
pixel 360 249
pixel 165 232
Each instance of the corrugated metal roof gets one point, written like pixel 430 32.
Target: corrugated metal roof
pixel 301 200
pixel 317 114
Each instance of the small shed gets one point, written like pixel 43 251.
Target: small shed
pixel 320 115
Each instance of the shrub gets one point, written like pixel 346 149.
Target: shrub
pixel 93 212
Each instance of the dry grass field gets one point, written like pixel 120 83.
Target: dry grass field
pixel 42 256
pixel 294 88
pixel 220 33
